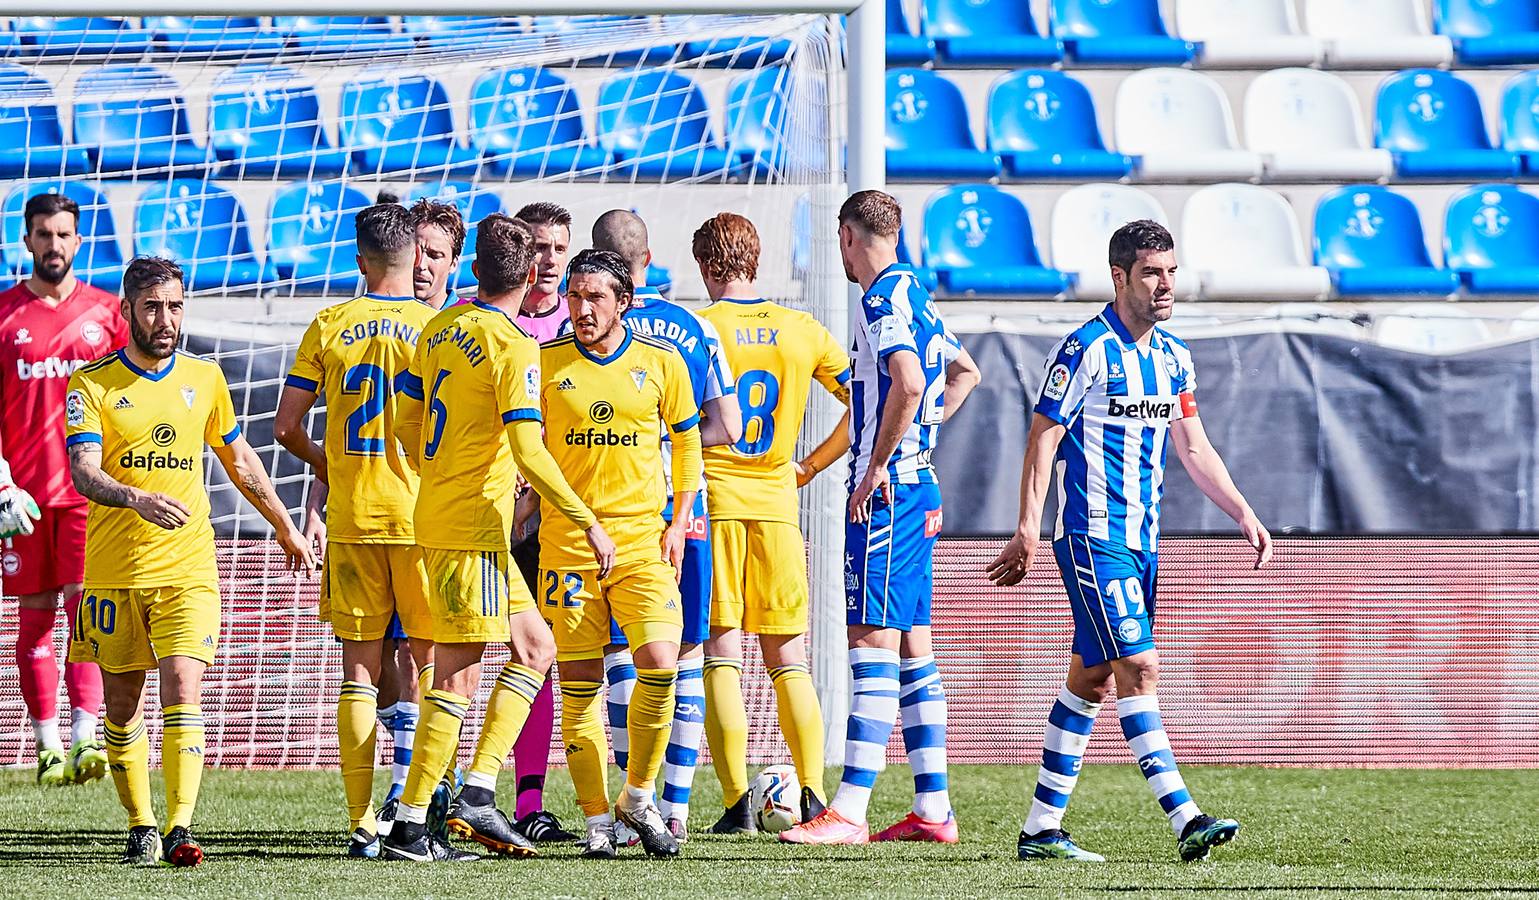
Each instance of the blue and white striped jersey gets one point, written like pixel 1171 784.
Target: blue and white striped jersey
pixel 1117 401
pixel 898 315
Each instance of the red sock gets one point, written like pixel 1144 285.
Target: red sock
pixel 82 681
pixel 531 753
pixel 36 664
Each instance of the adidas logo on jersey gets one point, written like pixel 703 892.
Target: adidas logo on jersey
pixel 566 385
pixel 123 403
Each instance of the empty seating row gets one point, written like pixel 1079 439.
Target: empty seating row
pixel 1237 242
pixel 1176 125
pixel 1244 33
pixel 266 120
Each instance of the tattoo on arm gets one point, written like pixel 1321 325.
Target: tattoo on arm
pixel 92 483
pixel 842 394
pixel 255 489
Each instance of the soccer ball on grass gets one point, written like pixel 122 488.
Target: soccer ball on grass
pixel 776 798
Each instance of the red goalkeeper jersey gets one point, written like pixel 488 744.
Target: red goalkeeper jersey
pixel 40 345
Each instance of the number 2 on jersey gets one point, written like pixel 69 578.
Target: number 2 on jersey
pixel 758 394
pixel 573 583
pixel 354 381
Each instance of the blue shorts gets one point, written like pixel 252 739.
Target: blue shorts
pixel 887 568
pixel 1111 590
pixel 694 583
pixel 393 631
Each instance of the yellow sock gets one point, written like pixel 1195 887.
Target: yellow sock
pixel 587 748
pixel 438 737
pixel 506 712
pixel 801 721
pixel 357 704
pixel 128 756
pixel 424 682
pixel 726 725
pixel 649 723
pixel 181 759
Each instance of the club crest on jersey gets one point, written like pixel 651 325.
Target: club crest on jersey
pixel 1057 382
pixel 91 333
pixel 10 563
pixel 1130 630
pixel 188 395
pixel 639 375
pixel 1173 367
pixel 74 408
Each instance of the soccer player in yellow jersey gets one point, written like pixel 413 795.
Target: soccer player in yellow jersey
pixel 604 392
pixel 354 353
pixel 760 583
pixel 471 422
pixel 136 422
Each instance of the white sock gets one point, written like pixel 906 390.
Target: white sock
pixel 605 820
pixel 46 733
pixel 82 725
pixel 873 712
pixel 481 780
pixel 683 753
pixel 416 815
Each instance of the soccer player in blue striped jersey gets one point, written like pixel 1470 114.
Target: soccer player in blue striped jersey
pixel 910 374
pixel 1118 392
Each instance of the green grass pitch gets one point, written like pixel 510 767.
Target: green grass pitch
pixel 1306 832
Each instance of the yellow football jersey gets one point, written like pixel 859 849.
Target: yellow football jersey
pixel 602 418
pixel 354 353
pixel 152 427
pixel 475 371
pixel 776 353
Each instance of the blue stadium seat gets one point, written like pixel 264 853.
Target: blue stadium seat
pixel 978 239
pixel 202 226
pixel 1370 239
pixel 1432 123
pixel 132 119
pixel 925 274
pixel 100 260
pixel 311 237
pixel 656 124
pixel 266 121
pixel 1491 238
pixel 394 121
pixel 526 122
pixel 1042 124
pixel 904 48
pixel 559 28
pixel 1520 119
pixel 1117 32
pixel 738 52
pixel 474 203
pixel 341 34
pixel 928 135
pixel 1490 32
pixel 465 32
pixel 757 107
pixel 988 33
pixel 48 36
pixel 226 35
pixel 31 138
pixel 10 41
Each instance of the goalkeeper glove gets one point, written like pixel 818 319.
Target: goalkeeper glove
pixel 17 508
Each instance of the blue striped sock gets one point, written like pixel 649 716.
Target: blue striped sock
pixel 873 712
pixel 1145 732
pixel 923 704
pixel 1063 748
pixel 684 741
pixel 620 673
pixel 403 731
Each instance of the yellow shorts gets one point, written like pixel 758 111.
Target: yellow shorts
pixel 470 595
pixel 131 629
pixel 760 578
pixel 642 596
pixel 365 584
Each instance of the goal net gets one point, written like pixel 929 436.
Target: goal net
pixel 243 147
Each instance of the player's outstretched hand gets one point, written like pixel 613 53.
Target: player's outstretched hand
pixel 673 546
pixel 161 509
pixel 1258 537
pixel 1011 565
pixel 876 483
pixel 603 548
pixel 315 533
pixel 299 550
pixel 18 511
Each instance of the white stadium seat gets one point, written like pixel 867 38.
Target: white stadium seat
pixel 1179 122
pixel 1242 242
pixel 1318 318
pixel 1376 34
pixel 1307 126
pixel 1082 223
pixel 1250 34
pixel 1431 328
pixel 1526 324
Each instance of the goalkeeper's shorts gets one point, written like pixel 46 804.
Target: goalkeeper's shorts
pixel 52 556
pixel 364 585
pixel 131 629
pixel 471 596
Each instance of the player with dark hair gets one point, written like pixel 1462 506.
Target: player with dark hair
pixel 440 241
pixel 1118 391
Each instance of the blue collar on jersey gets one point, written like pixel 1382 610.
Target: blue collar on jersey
pixel 153 376
pixel 643 296
pixel 606 360
pixel 1109 314
pixel 490 308
pixel 740 300
pixel 388 298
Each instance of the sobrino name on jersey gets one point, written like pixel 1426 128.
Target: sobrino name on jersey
pixel 382 327
pixel 475 354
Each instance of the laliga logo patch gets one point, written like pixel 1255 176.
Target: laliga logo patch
pixel 74 408
pixel 10 563
pixel 532 382
pixel 1057 382
pixel 91 333
pixel 1130 630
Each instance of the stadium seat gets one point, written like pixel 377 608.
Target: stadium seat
pixel 49 36
pixel 10 41
pixel 1116 32
pixel 1083 221
pixel 1376 34
pixel 474 203
pixel 1246 34
pixel 1490 32
pixel 1525 324
pixel 568 31
pixel 526 123
pixel 988 33
pixel 1520 119
pixel 738 52
pixel 341 34
pixel 395 121
pixel 1342 321
pixel 758 109
pixel 240 36
pixel 466 32
pixel 1307 126
pixel 1242 243
pixel 133 120
pixel 1042 124
pixel 657 125
pixel 904 48
pixel 925 274
pixel 1491 238
pixel 1370 238
pixel 31 138
pixel 929 137
pixel 1431 121
pixel 266 121
pixel 100 260
pixel 1431 328
pixel 978 240
pixel 1178 121
pixel 311 237
pixel 202 226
